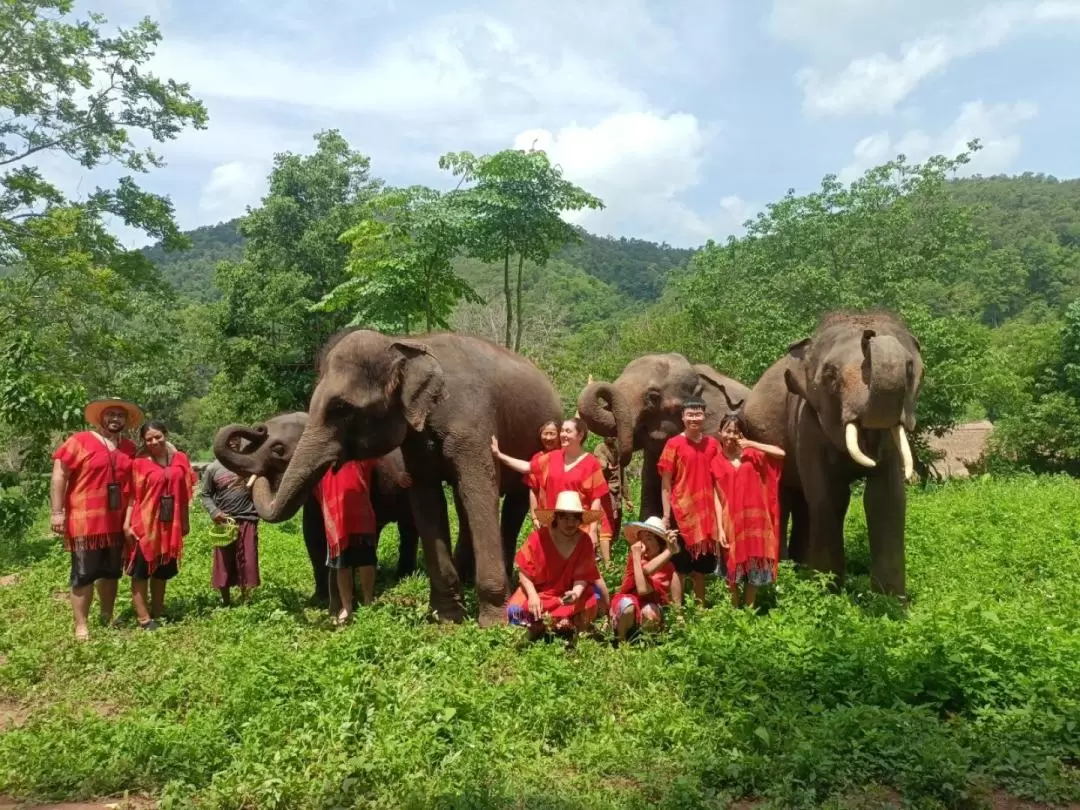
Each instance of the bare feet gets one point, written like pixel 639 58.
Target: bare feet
pixel 82 632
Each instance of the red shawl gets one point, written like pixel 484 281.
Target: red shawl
pixel 160 542
pixel 91 468
pixel 749 494
pixel 345 497
pixel 553 575
pixel 548 476
pixel 692 490
pixel 660 581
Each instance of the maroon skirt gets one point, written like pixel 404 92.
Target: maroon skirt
pixel 237 564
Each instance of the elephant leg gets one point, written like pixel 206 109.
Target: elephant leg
pixel 407 543
pixel 651 502
pixel 514 509
pixel 827 496
pixel 474 470
pixel 464 553
pixel 315 543
pixel 798 529
pixel 433 523
pixel 885 500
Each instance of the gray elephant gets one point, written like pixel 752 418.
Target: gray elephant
pixel 842 403
pixel 643 409
pixel 439 398
pixel 265 450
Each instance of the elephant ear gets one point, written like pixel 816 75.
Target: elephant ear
pixel 420 378
pixel 710 377
pixel 795 373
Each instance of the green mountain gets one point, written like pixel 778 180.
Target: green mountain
pixel 636 268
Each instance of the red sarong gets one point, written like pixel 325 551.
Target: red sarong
pixel 553 575
pixel 158 541
pixel 89 524
pixel 749 494
pixel 345 498
pixel 548 476
pixel 692 490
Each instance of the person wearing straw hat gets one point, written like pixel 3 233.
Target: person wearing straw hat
pixel 646 584
pixel 557 569
pixel 89 492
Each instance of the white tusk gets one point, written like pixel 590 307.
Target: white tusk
pixel 900 437
pixel 851 441
pixel 251 481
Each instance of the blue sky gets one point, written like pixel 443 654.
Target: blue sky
pixel 684 116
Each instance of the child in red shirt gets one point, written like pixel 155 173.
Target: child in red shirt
pixel 647 582
pixel 351 532
pixel 687 493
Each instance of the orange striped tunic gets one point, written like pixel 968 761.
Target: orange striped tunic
pixel 89 524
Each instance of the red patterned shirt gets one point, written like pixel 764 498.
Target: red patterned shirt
pixel 548 476
pixel 345 497
pixel 692 507
pixel 91 467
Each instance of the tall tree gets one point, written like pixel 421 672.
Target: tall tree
pixel 516 202
pixel 892 239
pixel 401 262
pixel 292 259
pixel 70 293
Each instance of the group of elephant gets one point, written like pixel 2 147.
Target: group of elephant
pixel 841 403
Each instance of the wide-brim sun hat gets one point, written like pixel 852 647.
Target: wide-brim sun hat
pixel 653 526
pixel 95 408
pixel 568 501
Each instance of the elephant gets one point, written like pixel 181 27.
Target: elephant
pixel 841 404
pixel 266 450
pixel 440 398
pixel 644 409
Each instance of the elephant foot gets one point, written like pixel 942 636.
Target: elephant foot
pixel 491 615
pixel 449 611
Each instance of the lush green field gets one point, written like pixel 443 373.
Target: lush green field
pixel 977 688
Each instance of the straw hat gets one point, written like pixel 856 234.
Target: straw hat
pixel 568 501
pixel 97 407
pixel 653 525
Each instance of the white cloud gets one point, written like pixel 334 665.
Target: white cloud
pixel 231 187
pixel 640 164
pixel 878 83
pixel 994 125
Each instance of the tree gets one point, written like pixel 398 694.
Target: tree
pixel 293 257
pixel 71 295
pixel 894 239
pixel 516 204
pixel 401 262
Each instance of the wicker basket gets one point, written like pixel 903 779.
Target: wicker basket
pixel 224 534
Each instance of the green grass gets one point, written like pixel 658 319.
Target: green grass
pixel 263 706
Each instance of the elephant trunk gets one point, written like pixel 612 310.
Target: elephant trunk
pixel 240 462
pixel 317 450
pixel 616 419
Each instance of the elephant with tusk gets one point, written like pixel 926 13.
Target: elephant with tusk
pixel 842 403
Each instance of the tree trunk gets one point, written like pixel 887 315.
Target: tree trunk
pixel 520 319
pixel 506 290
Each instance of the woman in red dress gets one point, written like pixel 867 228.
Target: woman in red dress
pixel 646 584
pixel 157 520
pixel 747 480
pixel 549 441
pixel 556 569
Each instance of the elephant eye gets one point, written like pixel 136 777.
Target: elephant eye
pixel 652 398
pixel 278 449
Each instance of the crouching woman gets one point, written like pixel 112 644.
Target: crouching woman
pixel 646 585
pixel 557 568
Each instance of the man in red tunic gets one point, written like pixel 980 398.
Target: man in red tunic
pixel 89 494
pixel 351 531
pixel 686 491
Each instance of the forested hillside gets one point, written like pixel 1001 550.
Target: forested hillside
pixel 635 267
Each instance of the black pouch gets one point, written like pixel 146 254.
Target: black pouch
pixel 165 514
pixel 112 496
